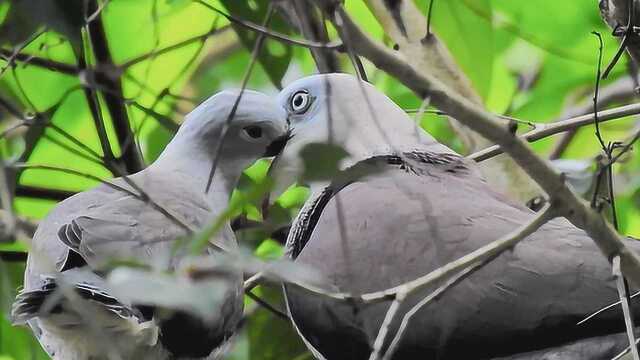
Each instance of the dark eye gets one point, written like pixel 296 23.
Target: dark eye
pixel 254 132
pixel 300 102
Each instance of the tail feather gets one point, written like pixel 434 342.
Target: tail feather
pixel 31 303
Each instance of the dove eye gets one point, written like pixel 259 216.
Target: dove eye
pixel 254 132
pixel 300 102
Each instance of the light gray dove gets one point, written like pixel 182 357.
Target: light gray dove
pixel 403 205
pixel 66 300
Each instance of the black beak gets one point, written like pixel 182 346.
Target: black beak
pixel 276 147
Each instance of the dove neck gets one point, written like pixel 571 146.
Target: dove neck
pixel 191 161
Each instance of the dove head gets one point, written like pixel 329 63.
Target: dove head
pixel 341 110
pixel 258 128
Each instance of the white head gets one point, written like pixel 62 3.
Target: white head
pixel 258 128
pixel 342 110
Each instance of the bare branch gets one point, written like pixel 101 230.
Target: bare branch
pixel 130 156
pixel 13 256
pixel 253 281
pixel 277 312
pixel 270 33
pixel 388 355
pixel 623 292
pixel 195 39
pixel 544 130
pixel 141 195
pixel 42 193
pixel 42 62
pixel 621 90
pixel 254 57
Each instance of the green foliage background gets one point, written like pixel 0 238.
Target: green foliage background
pixel 498 43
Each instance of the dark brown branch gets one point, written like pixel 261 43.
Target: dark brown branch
pixel 13 256
pixel 195 39
pixel 42 193
pixel 277 312
pixel 130 158
pixel 27 59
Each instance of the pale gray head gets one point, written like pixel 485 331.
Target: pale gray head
pixel 258 128
pixel 342 110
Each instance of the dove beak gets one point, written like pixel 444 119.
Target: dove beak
pixel 276 147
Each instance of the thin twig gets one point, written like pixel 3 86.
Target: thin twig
pixel 52 65
pixel 429 12
pixel 626 310
pixel 386 324
pixel 263 30
pixel 253 281
pixel 277 312
pixel 13 256
pixel 621 91
pixel 629 32
pixel 404 324
pixel 254 57
pixel 42 193
pixel 546 130
pixel 139 195
pixel 198 38
pixel 597 89
pixel 130 158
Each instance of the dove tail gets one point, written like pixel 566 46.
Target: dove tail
pixel 28 303
pixel 48 300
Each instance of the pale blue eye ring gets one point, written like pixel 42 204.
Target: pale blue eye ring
pixel 300 102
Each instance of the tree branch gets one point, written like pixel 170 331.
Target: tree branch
pixel 544 130
pixel 27 59
pixel 130 155
pixel 621 90
pixel 42 193
pixel 13 256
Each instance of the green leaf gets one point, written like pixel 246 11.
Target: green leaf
pixel 321 161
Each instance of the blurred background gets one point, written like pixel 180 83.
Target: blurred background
pixel 82 81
